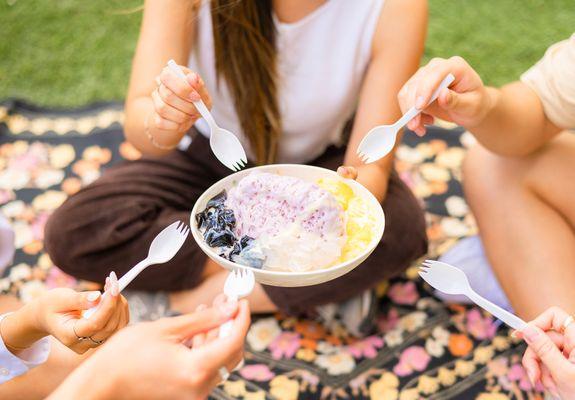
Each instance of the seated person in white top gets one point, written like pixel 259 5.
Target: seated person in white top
pixel 25 333
pixel 286 76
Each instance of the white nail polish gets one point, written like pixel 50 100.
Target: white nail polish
pixel 93 296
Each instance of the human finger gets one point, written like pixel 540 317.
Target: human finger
pixel 185 326
pixel 167 111
pixel 177 85
pixel 545 349
pixel 170 98
pixel 347 172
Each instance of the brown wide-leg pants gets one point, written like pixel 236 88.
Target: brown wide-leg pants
pixel 110 224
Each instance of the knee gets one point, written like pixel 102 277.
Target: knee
pixel 487 176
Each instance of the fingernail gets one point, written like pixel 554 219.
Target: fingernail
pixel 531 376
pixel 93 296
pixel 229 308
pixel 114 289
pixel 342 171
pixel 530 334
pixel 201 307
pixel 107 284
pixel 194 96
pixel 514 334
pixel 420 102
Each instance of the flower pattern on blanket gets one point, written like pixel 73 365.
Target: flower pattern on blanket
pixel 422 347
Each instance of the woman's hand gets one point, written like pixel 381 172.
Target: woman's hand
pixel 550 357
pixel 58 312
pixel 173 99
pixel 465 102
pixel 153 360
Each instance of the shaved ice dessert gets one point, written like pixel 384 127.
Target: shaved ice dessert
pixel 285 223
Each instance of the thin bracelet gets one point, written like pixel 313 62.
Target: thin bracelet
pixel 151 138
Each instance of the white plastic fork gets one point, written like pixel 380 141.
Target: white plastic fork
pixel 239 283
pixel 451 280
pixel 380 140
pixel 163 248
pixel 225 145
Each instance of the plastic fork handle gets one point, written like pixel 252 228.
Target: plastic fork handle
pixel 122 283
pixel 204 112
pixel 133 273
pixel 227 326
pixel 510 319
pixel 413 112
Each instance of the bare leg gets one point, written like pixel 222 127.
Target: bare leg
pixel 525 209
pixel 212 285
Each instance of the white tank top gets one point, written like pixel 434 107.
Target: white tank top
pixel 322 61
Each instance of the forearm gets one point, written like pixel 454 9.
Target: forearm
pixel 515 123
pixel 167 31
pixel 42 380
pixel 88 383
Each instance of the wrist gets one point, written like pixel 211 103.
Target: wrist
pixel 20 330
pixel 489 101
pixel 168 140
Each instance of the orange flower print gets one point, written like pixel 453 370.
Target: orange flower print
pixel 460 345
pixel 310 329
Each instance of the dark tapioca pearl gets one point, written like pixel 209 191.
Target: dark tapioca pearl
pixel 218 200
pixel 227 217
pixel 201 219
pixel 214 238
pixel 246 241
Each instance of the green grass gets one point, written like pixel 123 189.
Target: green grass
pixel 70 52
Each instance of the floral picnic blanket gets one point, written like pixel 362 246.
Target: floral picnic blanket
pixel 423 348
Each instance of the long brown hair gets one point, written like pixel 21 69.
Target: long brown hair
pixel 245 51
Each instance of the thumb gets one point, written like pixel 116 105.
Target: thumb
pixel 347 172
pixel 545 349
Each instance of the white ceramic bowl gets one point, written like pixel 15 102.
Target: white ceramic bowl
pixel 281 278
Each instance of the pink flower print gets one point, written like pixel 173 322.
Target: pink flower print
pixel 365 348
pixel 38 226
pixel 257 372
pixel 403 293
pixel 414 358
pixel 285 345
pixel 480 327
pixel 388 322
pixel 517 374
pixel 56 278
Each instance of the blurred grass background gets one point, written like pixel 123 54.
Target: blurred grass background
pixel 70 52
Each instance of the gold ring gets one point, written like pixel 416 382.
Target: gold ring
pixel 568 321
